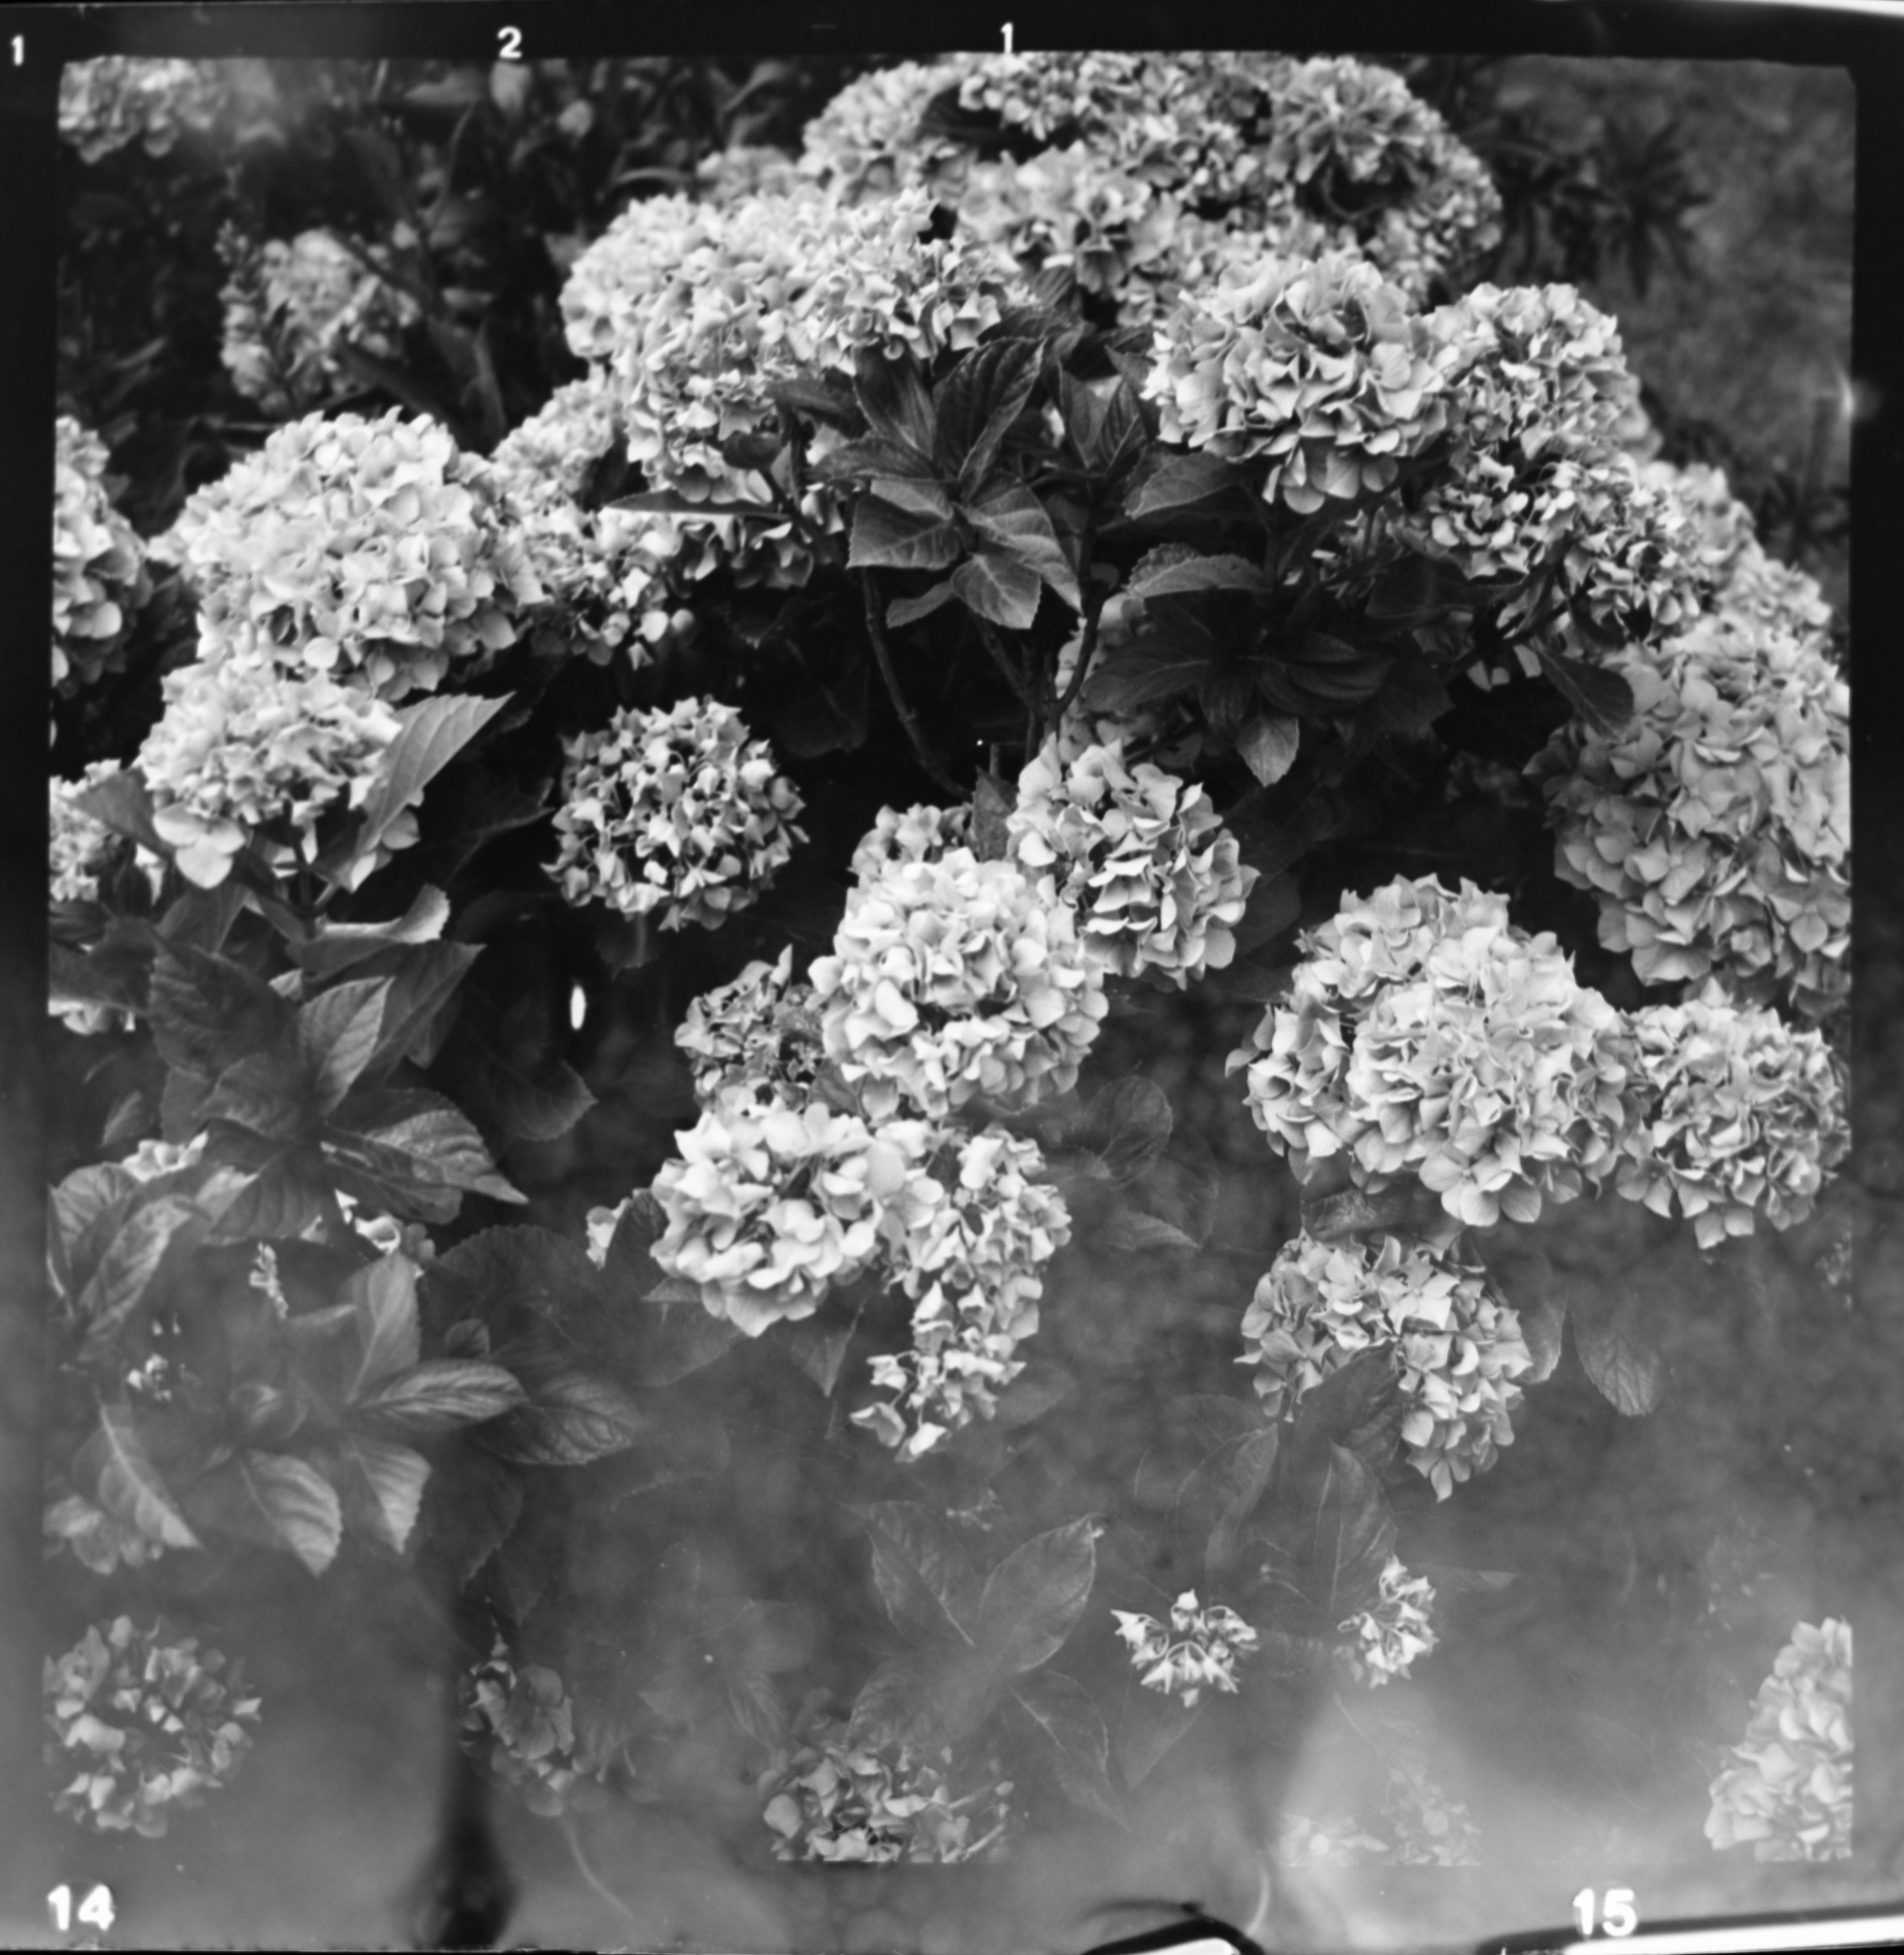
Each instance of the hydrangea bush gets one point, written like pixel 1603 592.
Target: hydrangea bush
pixel 655 944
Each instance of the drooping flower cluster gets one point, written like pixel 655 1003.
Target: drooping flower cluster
pixel 1744 1116
pixel 1139 855
pixel 289 305
pixel 1789 1791
pixel 676 809
pixel 521 1723
pixel 833 1800
pixel 759 1032
pixel 1715 826
pixel 114 99
pixel 952 978
pixel 1317 368
pixel 1456 1346
pixel 1425 1035
pixel 1389 1635
pixel 374 550
pixel 99 574
pixel 150 1720
pixel 1198 1652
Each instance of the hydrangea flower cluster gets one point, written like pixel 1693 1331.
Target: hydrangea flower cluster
pixel 751 169
pixel 1457 1347
pixel 1139 855
pixel 1715 826
pixel 833 1800
pixel 868 140
pixel 289 305
pixel 1425 1035
pixel 916 834
pixel 374 550
pixel 1388 1636
pixel 760 1031
pixel 951 979
pixel 114 99
pixel 81 849
pixel 1789 1791
pixel 99 574
pixel 1317 368
pixel 676 809
pixel 1198 1652
pixel 99 1541
pixel 521 1723
pixel 1421 1827
pixel 151 1720
pixel 980 1231
pixel 1743 1114
pixel 242 746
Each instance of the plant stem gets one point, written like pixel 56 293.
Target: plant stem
pixel 882 656
pixel 1015 674
pixel 594 1879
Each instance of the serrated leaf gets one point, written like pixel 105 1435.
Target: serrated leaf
pixel 114 1465
pixel 1351 1534
pixel 1623 1362
pixel 1412 696
pixel 275 1499
pixel 1315 670
pixel 892 394
pixel 414 1141
pixel 904 611
pixel 1128 1125
pixel 1219 1496
pixel 270 1094
pixel 1182 482
pixel 1034 1597
pixel 1146 670
pixel 85 1195
pixel 976 403
pixel 1009 516
pixel 1402 1211
pixel 887 537
pixel 443 1393
pixel 337 1034
pixel 469 1508
pixel 1268 744
pixel 666 1340
pixel 1129 1229
pixel 1062 1710
pixel 999 589
pixel 123 802
pixel 921 1571
pixel 125 1271
pixel 340 945
pixel 1186 575
pixel 572 1418
pixel 383 1295
pixel 208 1011
pixel 1602 698
pixel 1359 1408
pixel 380 1484
pixel 423 982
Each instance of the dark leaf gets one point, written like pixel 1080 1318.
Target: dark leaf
pixel 921 1571
pixel 1226 696
pixel 892 394
pixel 85 1195
pixel 339 945
pixel 510 1276
pixel 469 1509
pixel 1313 671
pixel 978 402
pixel 887 537
pixel 383 1295
pixel 1359 1408
pixel 337 1033
pixel 1602 698
pixel 383 163
pixel 114 1464
pixel 1182 482
pixel 1147 669
pixel 999 589
pixel 1352 1533
pixel 271 1095
pixel 1183 576
pixel 1128 1125
pixel 815 718
pixel 1062 1709
pixel 1012 518
pixel 131 1260
pixel 573 1417
pixel 275 1499
pixel 1220 1496
pixel 818 1346
pixel 909 610
pixel 1411 698
pixel 1129 1229
pixel 1524 1279
pixel 1152 1723
pixel 1268 746
pixel 1416 588
pixel 207 1011
pixel 822 397
pixel 97 978
pixel 380 1484
pixel 414 1141
pixel 689 508
pixel 443 1393
pixel 925 1697
pixel 1035 1595
pixel 124 803
pixel 423 982
pixel 1618 1354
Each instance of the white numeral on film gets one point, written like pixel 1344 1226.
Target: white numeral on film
pixel 1618 1915
pixel 19 50
pixel 510 42
pixel 97 1909
pixel 1008 37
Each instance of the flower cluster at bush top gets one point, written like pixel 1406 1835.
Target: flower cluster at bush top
pixel 978 1228
pixel 1199 1651
pixel 99 574
pixel 1744 1116
pixel 918 834
pixel 241 747
pixel 1457 1347
pixel 114 99
pixel 291 304
pixel 1389 1635
pixel 1788 1791
pixel 830 1799
pixel 1715 826
pixel 1317 368
pixel 1139 855
pixel 760 1031
pixel 372 549
pixel 521 1723
pixel 676 809
pixel 151 1720
pixel 953 979
pixel 1425 1035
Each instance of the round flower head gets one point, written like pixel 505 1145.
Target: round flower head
pixel 242 747
pixel 951 979
pixel 150 1720
pixel 773 1200
pixel 674 810
pixel 114 99
pixel 1428 1828
pixel 1742 1115
pixel 1457 1347
pixel 1198 1652
pixel 1387 1636
pixel 521 1723
pixel 1789 1790
pixel 751 169
pixel 870 140
pixel 970 1247
pixel 290 306
pixel 99 576
pixel 1139 855
pixel 372 549
pixel 1317 368
pixel 918 835
pixel 760 1032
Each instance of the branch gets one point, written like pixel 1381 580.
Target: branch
pixel 883 655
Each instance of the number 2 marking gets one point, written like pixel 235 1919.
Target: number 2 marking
pixel 1618 1916
pixel 510 40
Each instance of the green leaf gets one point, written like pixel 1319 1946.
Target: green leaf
pixel 818 1346
pixel 1127 1125
pixel 1185 576
pixel 921 1571
pixel 1010 516
pixel 469 1508
pixel 1525 1280
pixel 909 610
pixel 1268 746
pixel 1219 1496
pixel 421 983
pixel 275 1499
pixel 1351 1534
pixel 1182 482
pixel 1150 1725
pixel 1314 671
pixel 131 1260
pixel 1618 1356
pixel 1404 1211
pixel 1035 1595
pixel 508 1278
pixel 124 803
pixel 380 1484
pixel 444 1394
pixel 1131 1230
pixel 977 404
pixel 888 537
pixel 571 1418
pixel 892 394
pixel 414 1140
pixel 1156 667
pixel 827 398
pixel 999 589
pixel 1600 697
pixel 269 1095
pixel 1107 432
pixel 816 718
pixel 337 1032
pixel 1061 1708
pixel 84 1196
pixel 383 1295
pixel 114 1463
pixel 339 945
pixel 1359 1408
pixel 207 1013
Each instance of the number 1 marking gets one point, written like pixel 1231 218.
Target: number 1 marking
pixel 19 50
pixel 1008 37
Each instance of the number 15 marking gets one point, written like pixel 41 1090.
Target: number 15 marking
pixel 1618 1916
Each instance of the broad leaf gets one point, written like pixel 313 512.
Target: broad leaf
pixel 893 396
pixel 1618 1355
pixel 423 983
pixel 1035 1595
pixel 380 1484
pixel 123 802
pixel 999 589
pixel 414 1141
pixel 1157 667
pixel 1152 1723
pixel 208 1011
pixel 85 1195
pixel 337 1035
pixel 1404 1210
pixel 1182 576
pixel 469 1508
pixel 1128 1125
pixel 113 1463
pixel 510 1277
pixel 270 1094
pixel 383 1294
pixel 921 1571
pixel 443 1393
pixel 131 1260
pixel 928 1698
pixel 1359 1408
pixel 1268 746
pixel 887 537
pixel 977 404
pixel 1223 1493
pixel 1062 1709
pixel 1312 671
pixel 1351 1533
pixel 1013 519
pixel 1130 1229
pixel 1182 482
pixel 339 945
pixel 571 1418
pixel 909 610
pixel 1602 698
pixel 818 1346
pixel 275 1499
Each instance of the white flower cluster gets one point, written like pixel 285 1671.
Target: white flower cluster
pixel 1456 1346
pixel 751 169
pixel 1197 1652
pixel 1789 1791
pixel 1317 368
pixel 99 574
pixel 868 141
pixel 1743 1116
pixel 373 549
pixel 521 1723
pixel 676 809
pixel 1425 1035
pixel 289 305
pixel 99 1541
pixel 1715 826
pixel 912 835
pixel 1388 1636
pixel 81 849
pixel 151 1721
pixel 114 99
pixel 760 1031
pixel 1139 856
pixel 1421 1827
pixel 832 1800
pixel 953 979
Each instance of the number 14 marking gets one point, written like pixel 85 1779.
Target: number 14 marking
pixel 95 1911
